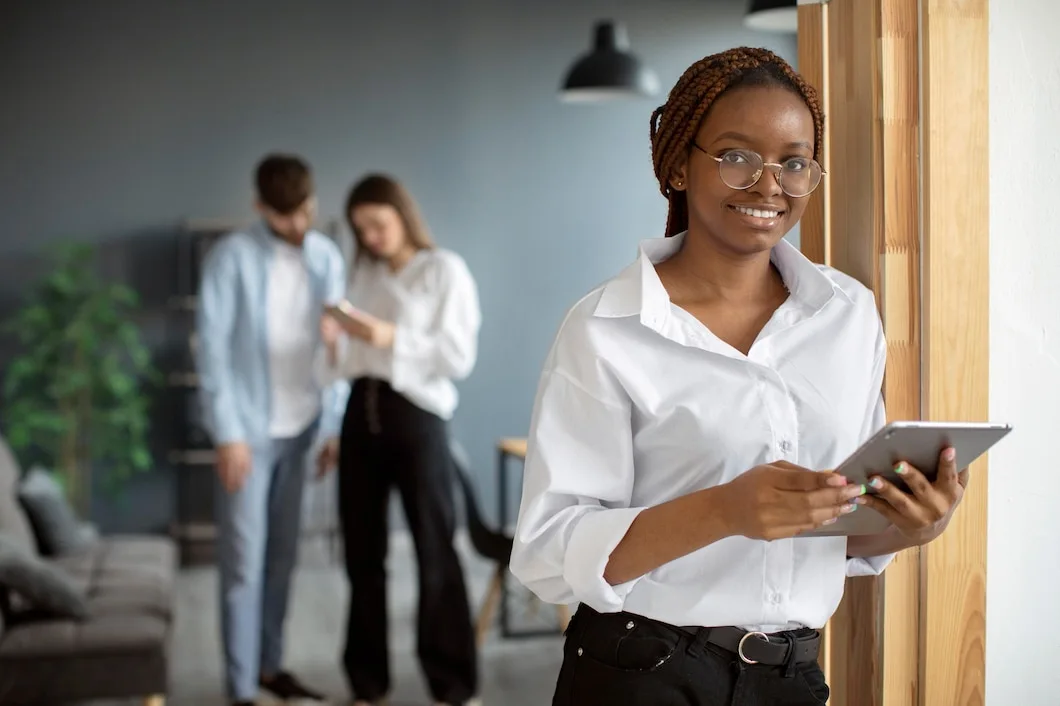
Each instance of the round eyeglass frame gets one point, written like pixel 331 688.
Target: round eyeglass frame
pixel 777 169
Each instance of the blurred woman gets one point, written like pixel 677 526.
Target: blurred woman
pixel 408 329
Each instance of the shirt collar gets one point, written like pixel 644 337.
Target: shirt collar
pixel 267 239
pixel 638 289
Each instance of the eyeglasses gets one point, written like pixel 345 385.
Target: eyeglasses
pixel 741 169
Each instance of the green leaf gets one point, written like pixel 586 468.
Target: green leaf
pixel 121 294
pixel 141 458
pixel 18 436
pixel 82 371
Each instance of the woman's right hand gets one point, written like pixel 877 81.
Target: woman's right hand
pixel 779 500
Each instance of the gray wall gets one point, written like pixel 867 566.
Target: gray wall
pixel 123 117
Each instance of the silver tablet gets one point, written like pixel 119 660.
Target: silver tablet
pixel 916 443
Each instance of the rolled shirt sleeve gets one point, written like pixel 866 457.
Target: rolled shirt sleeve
pixel 577 485
pixel 868 566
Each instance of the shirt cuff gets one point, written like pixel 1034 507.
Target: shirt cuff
pixel 336 396
pixel 868 565
pixel 227 429
pixel 594 537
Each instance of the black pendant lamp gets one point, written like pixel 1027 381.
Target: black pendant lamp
pixel 609 71
pixel 773 16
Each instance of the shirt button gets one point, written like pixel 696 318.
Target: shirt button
pixel 785 446
pixel 774 598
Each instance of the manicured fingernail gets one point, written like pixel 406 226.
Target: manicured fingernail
pixel 899 469
pixel 876 483
pixel 849 508
pixel 837 480
pixel 949 454
pixel 861 501
pixel 829 522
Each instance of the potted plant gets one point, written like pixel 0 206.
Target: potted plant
pixel 75 394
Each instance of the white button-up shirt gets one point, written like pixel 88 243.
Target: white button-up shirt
pixel 433 302
pixel 639 403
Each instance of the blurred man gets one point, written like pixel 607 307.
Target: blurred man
pixel 262 293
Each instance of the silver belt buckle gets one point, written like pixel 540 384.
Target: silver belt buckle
pixel 739 647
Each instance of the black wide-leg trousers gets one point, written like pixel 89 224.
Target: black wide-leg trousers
pixel 389 442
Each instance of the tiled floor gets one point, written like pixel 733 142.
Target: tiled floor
pixel 514 672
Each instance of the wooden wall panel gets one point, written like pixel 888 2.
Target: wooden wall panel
pixel 900 121
pixel 814 227
pixel 855 218
pixel 906 96
pixel 956 333
pixel 855 225
pixel 866 60
pixel 813 50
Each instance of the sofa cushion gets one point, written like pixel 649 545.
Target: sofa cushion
pixel 115 631
pixel 40 586
pixel 13 521
pixel 62 661
pixel 54 522
pixel 128 582
pixel 125 574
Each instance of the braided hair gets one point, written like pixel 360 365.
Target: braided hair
pixel 675 123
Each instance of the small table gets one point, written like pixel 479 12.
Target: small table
pixel 507 449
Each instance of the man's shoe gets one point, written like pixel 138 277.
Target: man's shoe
pixel 285 685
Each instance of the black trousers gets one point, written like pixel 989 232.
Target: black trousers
pixel 387 441
pixel 621 658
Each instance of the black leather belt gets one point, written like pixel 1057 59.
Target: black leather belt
pixel 760 648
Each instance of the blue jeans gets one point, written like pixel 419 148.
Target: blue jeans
pixel 259 526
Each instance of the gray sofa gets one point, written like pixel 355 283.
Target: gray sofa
pixel 119 650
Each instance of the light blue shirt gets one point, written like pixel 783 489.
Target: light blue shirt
pixel 232 360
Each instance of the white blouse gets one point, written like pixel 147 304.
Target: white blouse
pixel 433 301
pixel 640 403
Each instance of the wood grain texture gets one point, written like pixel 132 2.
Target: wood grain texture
pixel 815 225
pixel 854 243
pixel 900 129
pixel 813 57
pixel 956 333
pixel 855 212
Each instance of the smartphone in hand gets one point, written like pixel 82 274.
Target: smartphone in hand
pixel 344 312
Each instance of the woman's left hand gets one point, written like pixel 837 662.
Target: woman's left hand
pixel 922 514
pixel 374 331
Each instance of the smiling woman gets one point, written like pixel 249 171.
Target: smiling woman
pixel 686 120
pixel 688 411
